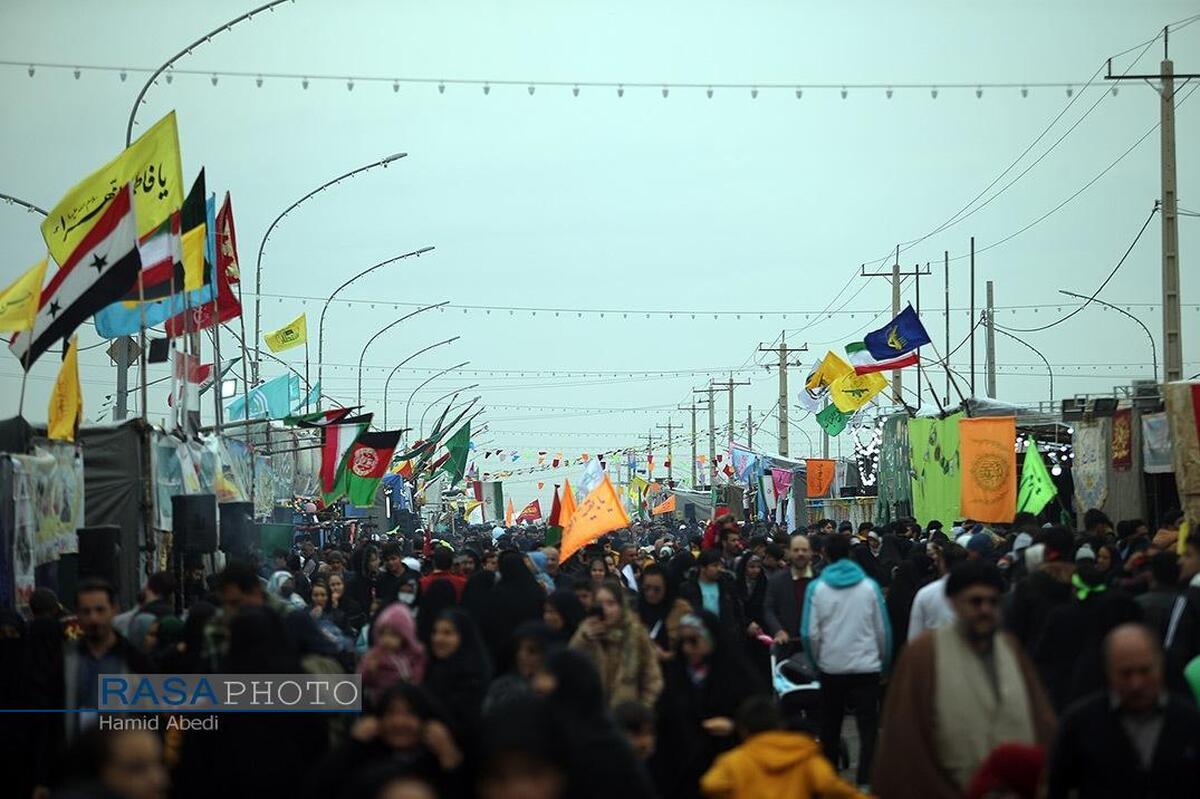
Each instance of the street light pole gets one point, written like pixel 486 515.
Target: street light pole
pixel 452 395
pixel 262 245
pixel 383 330
pixel 408 406
pixel 388 382
pixel 325 307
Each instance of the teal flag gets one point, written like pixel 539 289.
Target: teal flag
pixel 832 420
pixel 1036 487
pixel 936 487
pixel 274 399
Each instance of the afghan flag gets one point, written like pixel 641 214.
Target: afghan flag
pixel 366 464
pixel 338 440
pixel 99 271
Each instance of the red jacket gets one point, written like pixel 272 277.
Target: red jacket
pixel 457 580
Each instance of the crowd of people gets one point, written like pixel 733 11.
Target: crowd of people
pixel 1022 660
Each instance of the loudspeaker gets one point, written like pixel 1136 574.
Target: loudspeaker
pixel 238 533
pixel 194 523
pixel 98 550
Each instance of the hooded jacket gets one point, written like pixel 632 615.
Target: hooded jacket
pixel 775 763
pixel 845 629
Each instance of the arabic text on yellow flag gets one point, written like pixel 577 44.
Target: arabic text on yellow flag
pixel 599 513
pixel 566 508
pixel 192 243
pixel 988 468
pixel 293 334
pixel 666 506
pixel 19 301
pixel 829 370
pixel 151 164
pixel 850 391
pixel 66 401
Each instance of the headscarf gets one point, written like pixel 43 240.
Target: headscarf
pixel 538 559
pixel 275 588
pixel 434 599
pixel 407 665
pixel 571 610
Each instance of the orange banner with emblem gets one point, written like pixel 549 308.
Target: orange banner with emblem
pixel 819 476
pixel 988 458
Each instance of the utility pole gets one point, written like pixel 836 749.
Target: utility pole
pixel 729 386
pixel 990 344
pixel 783 351
pixel 750 426
pixel 917 280
pixel 692 408
pixel 670 460
pixel 650 455
pixel 946 267
pixel 1172 340
pixel 712 435
pixel 896 275
pixel 972 316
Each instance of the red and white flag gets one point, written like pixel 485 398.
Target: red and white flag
pixel 100 271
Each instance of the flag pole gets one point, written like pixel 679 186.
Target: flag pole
pixel 141 342
pixel 307 386
pixel 218 411
pixel 24 375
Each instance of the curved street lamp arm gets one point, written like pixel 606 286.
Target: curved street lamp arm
pixel 325 307
pixel 28 206
pixel 449 394
pixel 1049 370
pixel 395 369
pixel 188 51
pixel 1149 335
pixel 386 328
pixel 262 245
pixel 429 380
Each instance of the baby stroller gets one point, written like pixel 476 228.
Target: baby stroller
pixel 798 689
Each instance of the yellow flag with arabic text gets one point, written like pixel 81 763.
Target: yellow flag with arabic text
pixel 19 301
pixel 830 369
pixel 66 400
pixel 151 164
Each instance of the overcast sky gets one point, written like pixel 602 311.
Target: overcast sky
pixel 630 203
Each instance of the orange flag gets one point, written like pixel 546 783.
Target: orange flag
pixel 666 506
pixel 988 458
pixel 599 513
pixel 819 475
pixel 566 509
pixel 508 514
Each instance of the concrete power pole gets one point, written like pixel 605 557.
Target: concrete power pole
pixel 783 351
pixel 712 435
pixel 729 386
pixel 896 275
pixel 1172 339
pixel 750 426
pixel 990 344
pixel 670 459
pixel 693 408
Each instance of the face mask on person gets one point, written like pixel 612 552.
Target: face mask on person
pixel 406 597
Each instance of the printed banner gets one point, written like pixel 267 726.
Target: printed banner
pixel 989 468
pixel 48 499
pixel 893 474
pixel 1090 467
pixel 1183 413
pixel 819 476
pixel 1156 444
pixel 936 488
pixel 1122 440
pixel 782 479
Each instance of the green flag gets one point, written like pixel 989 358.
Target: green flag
pixel 832 420
pixel 457 445
pixel 1036 488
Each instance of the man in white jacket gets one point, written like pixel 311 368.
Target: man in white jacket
pixel 845 633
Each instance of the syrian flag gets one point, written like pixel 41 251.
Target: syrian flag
pixel 865 363
pixel 100 271
pixel 366 464
pixel 338 440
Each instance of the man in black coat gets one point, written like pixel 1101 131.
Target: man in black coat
pixel 785 592
pixel 1133 740
pixel 712 589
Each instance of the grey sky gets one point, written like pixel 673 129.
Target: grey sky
pixel 636 202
